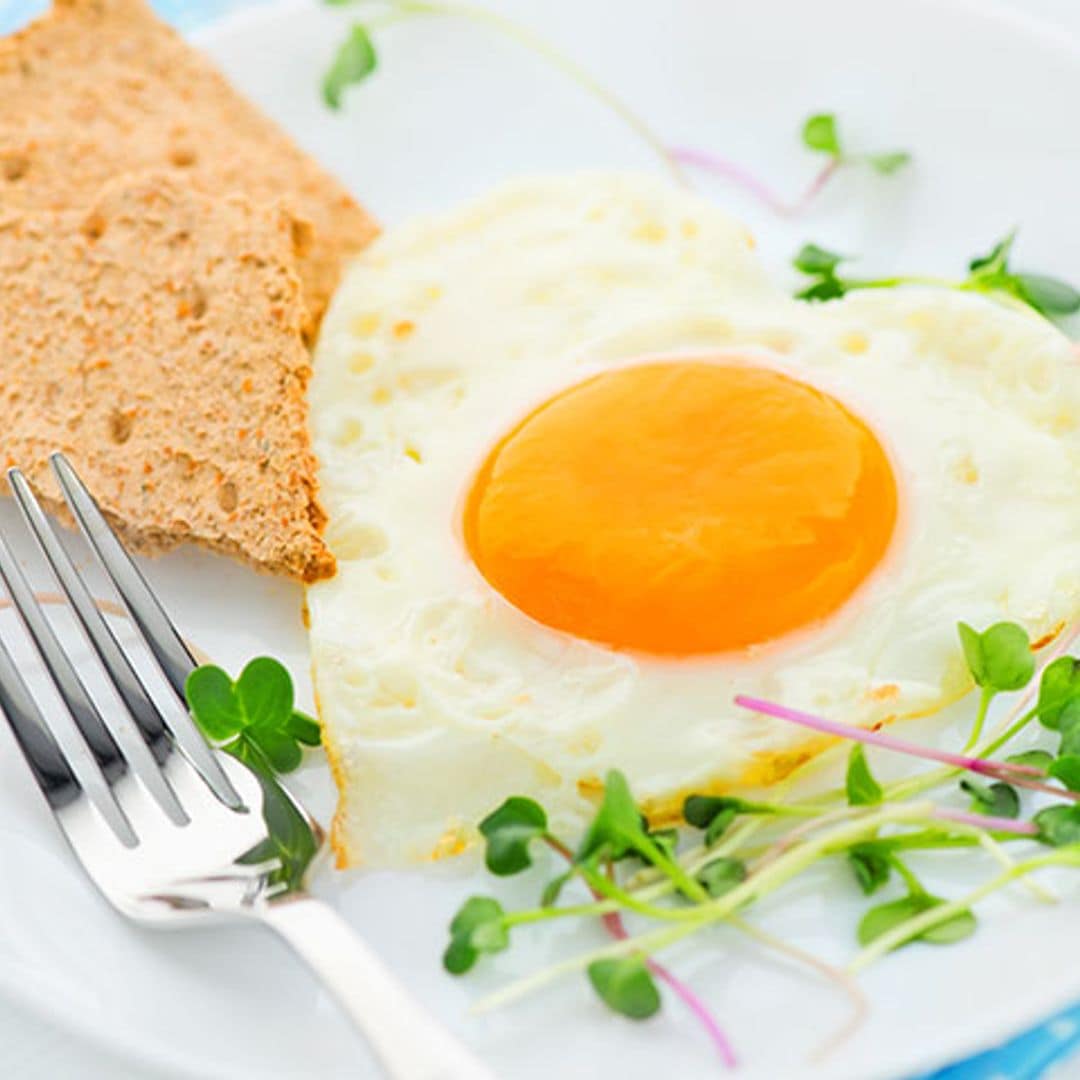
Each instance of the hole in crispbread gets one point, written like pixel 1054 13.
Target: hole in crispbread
pixel 228 497
pixel 14 166
pixel 183 157
pixel 120 425
pixel 94 226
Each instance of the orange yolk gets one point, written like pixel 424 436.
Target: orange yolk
pixel 683 508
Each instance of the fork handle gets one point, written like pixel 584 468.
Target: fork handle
pixel 408 1042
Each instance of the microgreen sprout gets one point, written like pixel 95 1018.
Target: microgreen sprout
pixel 997 799
pixel 255 712
pixel 747 849
pixel 509 831
pixel 1059 825
pixel 989 274
pixel 722 874
pixel 819 134
pixel 871 863
pixel 1059 691
pixel 356 59
pixel 862 789
pixel 479 927
pixel 992 273
pixel 625 984
pixel 885 917
pixel 1000 660
pixel 255 720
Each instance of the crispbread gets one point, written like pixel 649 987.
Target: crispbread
pixel 99 88
pixel 155 338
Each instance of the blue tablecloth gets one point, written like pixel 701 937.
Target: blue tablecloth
pixel 1027 1057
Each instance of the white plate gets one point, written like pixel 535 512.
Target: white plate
pixel 986 102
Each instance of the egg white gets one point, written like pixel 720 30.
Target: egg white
pixel 439 699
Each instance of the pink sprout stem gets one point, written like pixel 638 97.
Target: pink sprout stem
pixel 615 926
pixel 817 185
pixel 617 929
pixel 987 821
pixel 729 170
pixel 998 770
pixel 1031 785
pixel 743 178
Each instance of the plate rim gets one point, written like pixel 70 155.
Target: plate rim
pixel 1016 1016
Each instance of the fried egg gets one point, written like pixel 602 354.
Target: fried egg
pixel 590 474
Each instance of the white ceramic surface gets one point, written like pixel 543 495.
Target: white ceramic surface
pixel 985 100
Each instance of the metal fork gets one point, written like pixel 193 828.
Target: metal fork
pixel 180 837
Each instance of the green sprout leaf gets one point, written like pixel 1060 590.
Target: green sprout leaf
pixel 701 810
pixel 829 288
pixel 1067 769
pixel 667 840
pixel 617 829
pixel 883 918
pixel 303 728
pixel 1058 688
pixel 280 748
pixel 722 875
pixel 812 259
pixel 356 59
pixel 1039 759
pixel 626 986
pixel 888 163
pixel 1059 825
pixel 509 831
pixel 820 135
pixel 265 691
pixel 862 788
pixel 719 825
pixel 822 264
pixel 871 865
pixel 997 800
pixel 989 273
pixel 214 703
pixel 1069 726
pixel 478 927
pixel 254 720
pixel 996 261
pixel 289 835
pixel 256 711
pixel 962 925
pixel 1000 658
pixel 1049 296
pixel 715 813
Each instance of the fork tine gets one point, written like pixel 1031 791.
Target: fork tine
pixel 107 754
pixel 84 712
pixel 51 770
pixel 124 677
pixel 130 687
pixel 165 642
pixel 168 648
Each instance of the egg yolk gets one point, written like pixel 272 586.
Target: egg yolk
pixel 683 508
